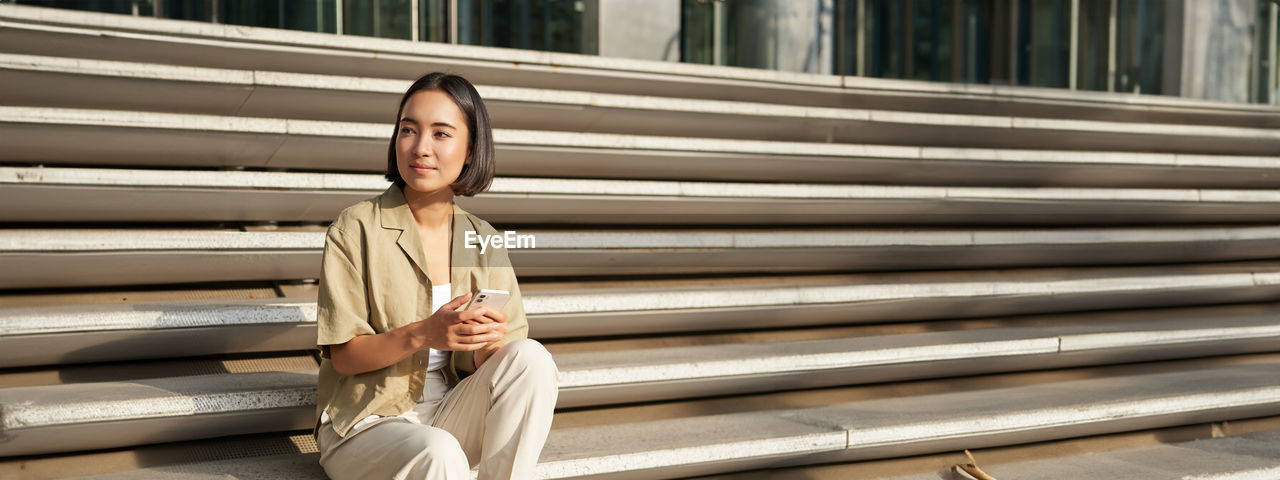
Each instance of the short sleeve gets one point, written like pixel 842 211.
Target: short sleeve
pixel 502 274
pixel 342 311
pixel 518 325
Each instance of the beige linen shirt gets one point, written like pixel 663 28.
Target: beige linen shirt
pixel 373 280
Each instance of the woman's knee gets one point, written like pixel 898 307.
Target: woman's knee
pixel 530 355
pixel 431 438
pixel 395 448
pixel 436 447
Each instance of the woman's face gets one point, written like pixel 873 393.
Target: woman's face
pixel 431 141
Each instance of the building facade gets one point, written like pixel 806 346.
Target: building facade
pixel 1210 49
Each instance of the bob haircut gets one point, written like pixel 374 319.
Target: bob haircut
pixel 477 173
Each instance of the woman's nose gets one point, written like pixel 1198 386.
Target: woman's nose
pixel 422 147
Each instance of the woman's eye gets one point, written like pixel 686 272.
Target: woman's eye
pixel 445 135
pixel 406 130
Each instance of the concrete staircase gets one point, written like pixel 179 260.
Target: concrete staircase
pixel 735 269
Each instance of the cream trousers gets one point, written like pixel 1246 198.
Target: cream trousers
pixel 497 419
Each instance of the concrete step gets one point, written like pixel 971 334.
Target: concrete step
pixel 596 309
pixel 43 258
pixel 60 82
pixel 40 194
pixel 889 427
pixel 126 137
pixel 141 368
pixel 40 257
pixel 44 194
pixel 272 467
pixel 781 399
pixel 90 332
pixel 1251 456
pixel 84 416
pixel 241 448
pixel 641 375
pixel 938 466
pixel 59 195
pixel 60 33
pixel 281 253
pixel 910 425
pixel 133 331
pixel 1240 457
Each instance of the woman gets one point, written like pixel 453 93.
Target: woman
pixel 409 387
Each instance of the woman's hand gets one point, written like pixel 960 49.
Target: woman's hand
pixel 446 330
pixel 500 317
pixel 469 330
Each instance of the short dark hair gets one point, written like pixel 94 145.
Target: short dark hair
pixel 478 173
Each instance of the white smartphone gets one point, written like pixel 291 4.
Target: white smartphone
pixel 488 298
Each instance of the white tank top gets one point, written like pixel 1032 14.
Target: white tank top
pixel 440 295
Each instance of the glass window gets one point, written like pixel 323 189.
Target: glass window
pixel 887 37
pixel 378 18
pixel 311 15
pixel 1264 82
pixel 553 25
pixel 1139 45
pixel 308 15
pixel 932 40
pixel 975 30
pixel 751 34
pixel 697 31
pixel 433 22
pixel 197 10
pixel 1001 39
pixel 1273 34
pixel 773 34
pixel 1095 45
pixel 846 25
pixel 936 40
pixel 249 12
pixel 1044 39
pixel 108 6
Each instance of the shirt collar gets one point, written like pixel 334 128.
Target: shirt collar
pixel 395 214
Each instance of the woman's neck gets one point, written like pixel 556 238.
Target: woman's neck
pixel 430 210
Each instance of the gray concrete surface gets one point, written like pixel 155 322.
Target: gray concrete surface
pixel 599 201
pixel 1252 456
pixel 60 82
pixel 612 251
pixel 279 467
pixel 912 425
pixel 576 154
pixel 83 416
pixel 755 302
pixel 680 372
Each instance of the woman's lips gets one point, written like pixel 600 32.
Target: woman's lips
pixel 421 169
